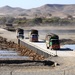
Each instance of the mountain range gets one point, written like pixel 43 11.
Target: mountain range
pixel 47 10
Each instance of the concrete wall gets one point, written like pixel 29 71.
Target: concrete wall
pixel 35 49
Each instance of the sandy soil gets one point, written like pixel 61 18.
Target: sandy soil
pixel 51 27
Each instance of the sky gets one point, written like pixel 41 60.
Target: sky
pixel 28 4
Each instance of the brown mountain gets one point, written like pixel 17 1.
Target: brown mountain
pixel 45 10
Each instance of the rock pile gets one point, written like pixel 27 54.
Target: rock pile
pixel 22 50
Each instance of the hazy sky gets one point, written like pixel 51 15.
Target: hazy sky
pixel 27 4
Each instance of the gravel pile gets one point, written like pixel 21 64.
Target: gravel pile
pixel 22 50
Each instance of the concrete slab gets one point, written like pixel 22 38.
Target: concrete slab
pixel 42 47
pixel 11 55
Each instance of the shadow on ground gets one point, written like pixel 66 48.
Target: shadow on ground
pixel 65 49
pixel 28 62
pixel 41 42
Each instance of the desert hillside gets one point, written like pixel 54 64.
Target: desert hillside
pixel 45 10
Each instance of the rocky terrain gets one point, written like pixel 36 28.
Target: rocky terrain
pixel 45 11
pixel 23 51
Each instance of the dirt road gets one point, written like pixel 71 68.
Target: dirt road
pixel 66 64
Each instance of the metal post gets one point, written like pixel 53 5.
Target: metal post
pixel 18 43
